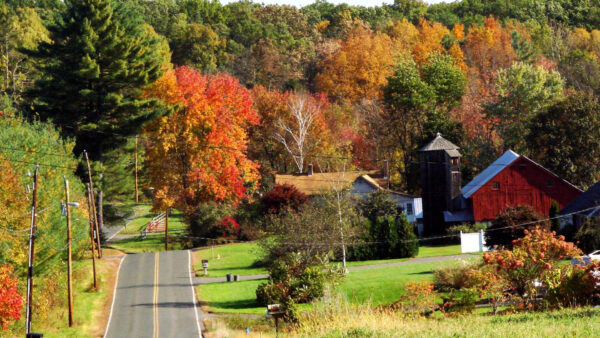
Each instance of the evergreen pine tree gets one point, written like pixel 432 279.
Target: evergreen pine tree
pixel 96 65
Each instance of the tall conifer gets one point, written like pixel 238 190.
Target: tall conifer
pixel 100 57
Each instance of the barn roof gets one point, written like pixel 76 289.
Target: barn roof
pixel 495 168
pixel 318 182
pixel 585 201
pixel 439 143
pixel 485 176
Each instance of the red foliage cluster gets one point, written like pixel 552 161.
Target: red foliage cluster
pixel 281 197
pixel 229 226
pixel 11 301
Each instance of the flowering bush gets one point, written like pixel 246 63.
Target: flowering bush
pixel 11 301
pixel 533 258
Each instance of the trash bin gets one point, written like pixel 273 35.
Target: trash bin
pixel 229 277
pixel 236 277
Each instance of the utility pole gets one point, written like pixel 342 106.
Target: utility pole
pixel 167 229
pixel 90 216
pixel 136 170
pixel 69 261
pixel 98 246
pixel 31 252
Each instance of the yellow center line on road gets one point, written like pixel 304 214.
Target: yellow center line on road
pixel 155 301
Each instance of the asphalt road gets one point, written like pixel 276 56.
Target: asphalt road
pixel 154 297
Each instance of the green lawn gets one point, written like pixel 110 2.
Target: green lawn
pixel 234 258
pixel 378 286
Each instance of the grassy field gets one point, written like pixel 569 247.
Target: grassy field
pixel 376 286
pixel 241 258
pixel 144 215
pixel 344 320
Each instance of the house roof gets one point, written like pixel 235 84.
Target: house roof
pixel 439 143
pixel 464 215
pixel 319 182
pixel 492 170
pixel 589 199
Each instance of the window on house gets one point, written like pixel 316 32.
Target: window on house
pixel 550 183
pixel 496 185
pixel 409 208
pixel 454 161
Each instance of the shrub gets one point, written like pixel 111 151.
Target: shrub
pixel 283 196
pixel 488 284
pixel 378 204
pixel 388 238
pixel 227 227
pixel 534 257
pixel 576 286
pixel 203 221
pixel 11 301
pixel 459 301
pixel 293 281
pixel 588 237
pixel 505 228
pixel 419 298
pixel 466 228
pixel 451 278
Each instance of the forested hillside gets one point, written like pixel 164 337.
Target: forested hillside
pixel 489 75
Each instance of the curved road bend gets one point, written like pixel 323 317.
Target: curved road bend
pixel 154 297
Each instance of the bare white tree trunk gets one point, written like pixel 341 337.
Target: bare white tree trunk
pixel 294 136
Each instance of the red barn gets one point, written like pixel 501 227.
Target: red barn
pixel 514 180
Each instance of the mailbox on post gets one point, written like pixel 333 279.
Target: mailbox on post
pixel 205 266
pixel 275 311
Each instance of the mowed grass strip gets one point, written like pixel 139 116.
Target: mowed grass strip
pixel 242 258
pixel 377 286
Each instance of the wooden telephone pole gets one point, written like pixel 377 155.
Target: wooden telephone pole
pixel 90 214
pixel 98 245
pixel 31 252
pixel 136 171
pixel 167 229
pixel 70 263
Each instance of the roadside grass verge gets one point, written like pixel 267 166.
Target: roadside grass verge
pixel 90 307
pixel 142 217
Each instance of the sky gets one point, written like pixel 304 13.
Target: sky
pixel 300 3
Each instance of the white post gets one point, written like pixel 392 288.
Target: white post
pixel 481 240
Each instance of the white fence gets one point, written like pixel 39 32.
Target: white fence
pixel 472 242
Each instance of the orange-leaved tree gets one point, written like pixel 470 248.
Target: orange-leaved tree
pixel 13 217
pixel 198 153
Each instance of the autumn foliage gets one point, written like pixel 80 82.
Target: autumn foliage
pixel 533 257
pixel 281 197
pixel 198 153
pixel 11 301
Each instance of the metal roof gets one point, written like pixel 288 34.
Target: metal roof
pixel 439 143
pixel 589 199
pixel 485 176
